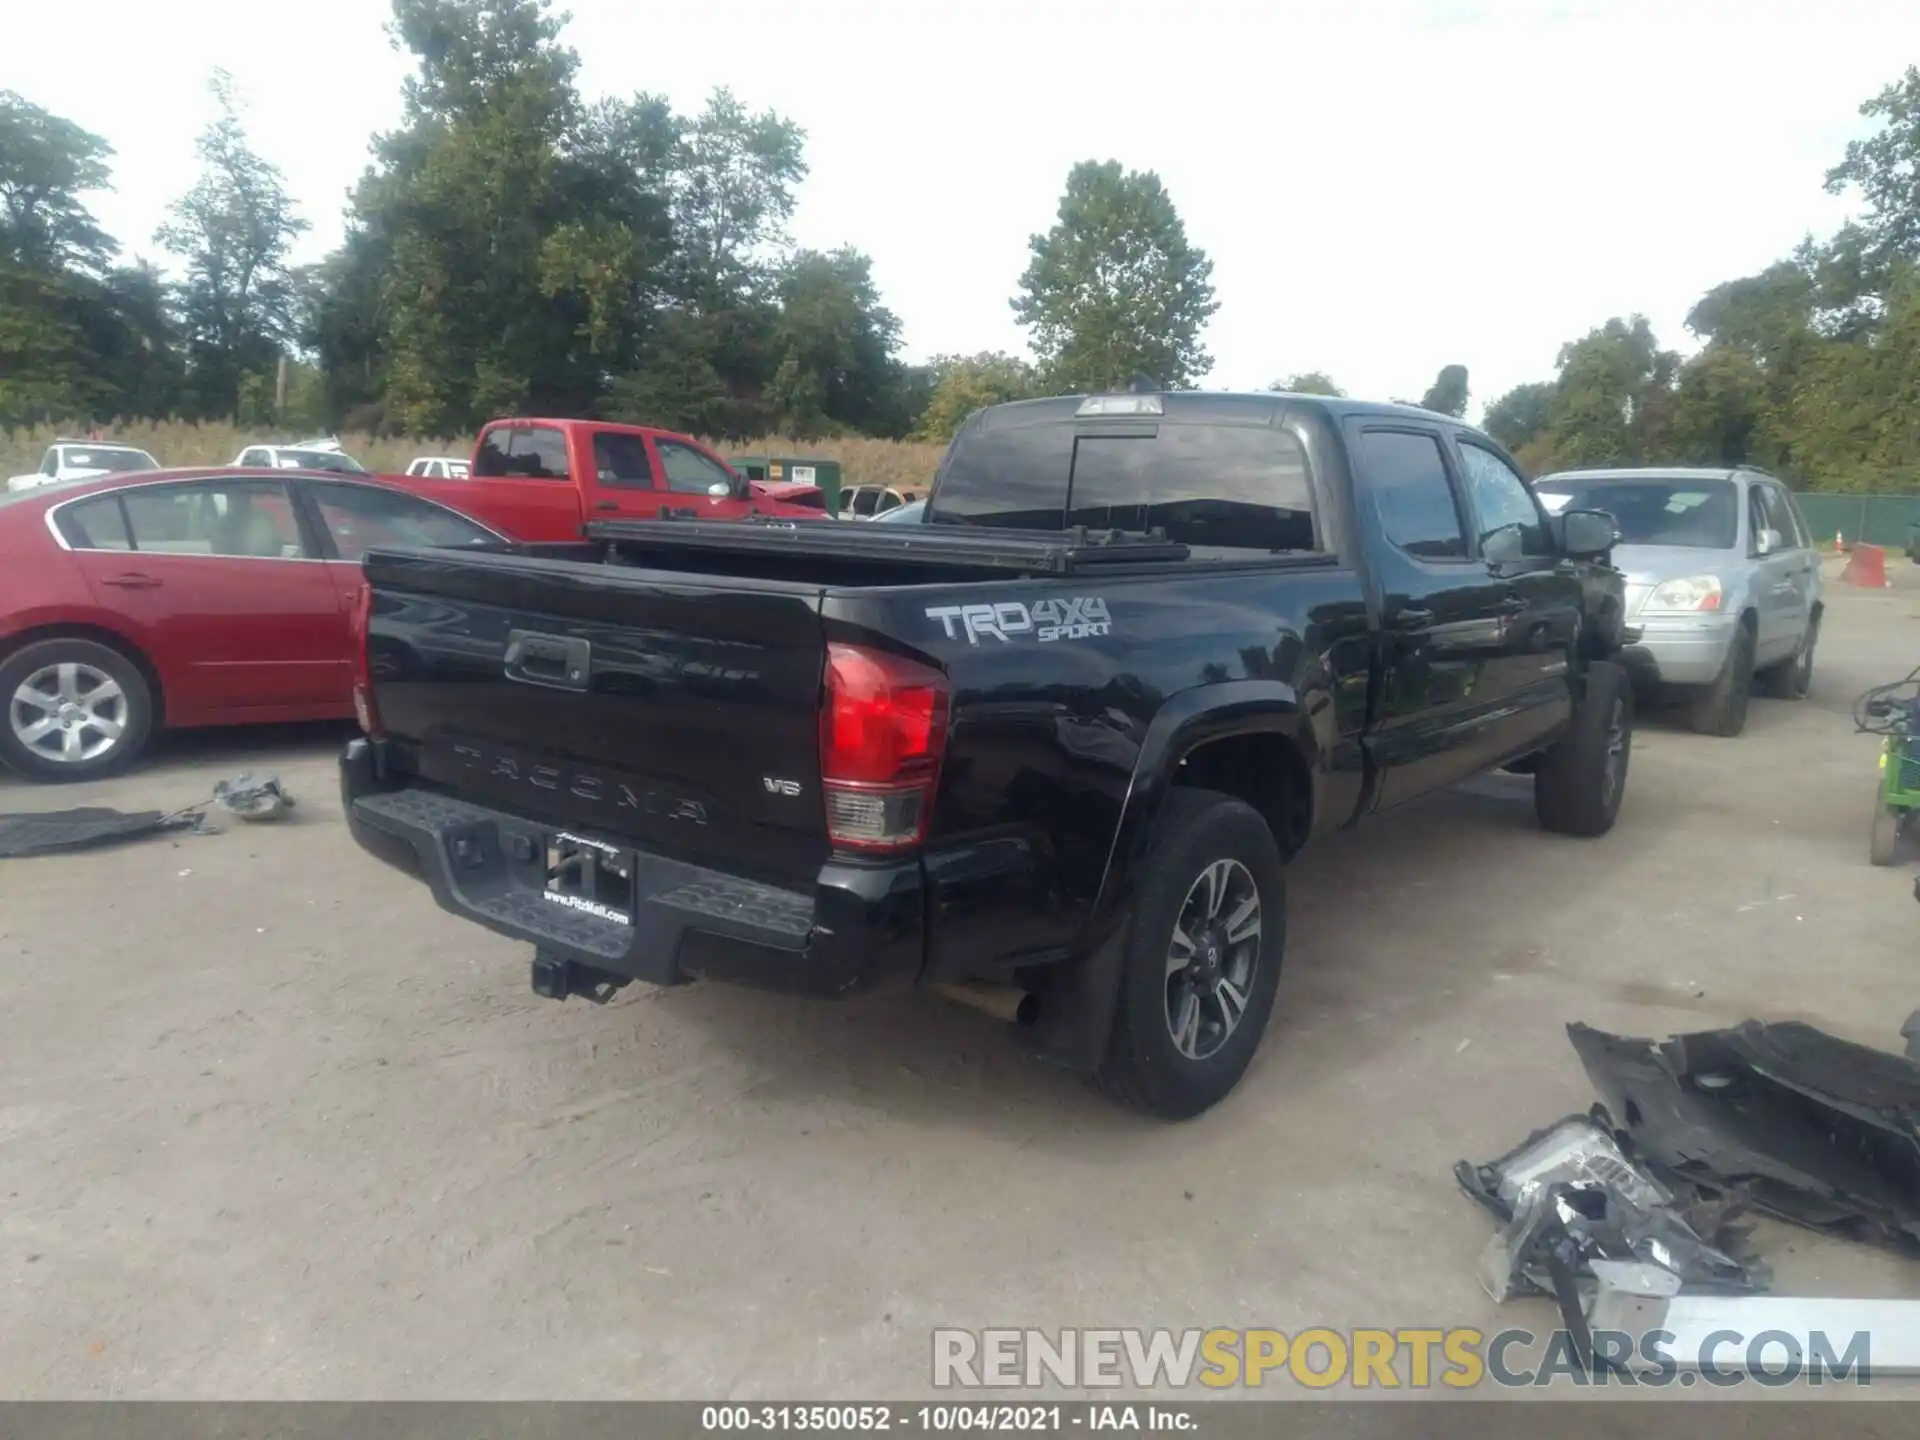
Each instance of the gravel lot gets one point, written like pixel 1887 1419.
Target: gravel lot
pixel 271 1125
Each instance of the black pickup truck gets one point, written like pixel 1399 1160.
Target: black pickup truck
pixel 1048 751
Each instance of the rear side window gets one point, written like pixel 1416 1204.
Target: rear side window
pixel 1407 477
pixel 523 452
pixel 96 524
pixel 621 460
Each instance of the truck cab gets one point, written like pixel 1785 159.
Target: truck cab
pixel 541 479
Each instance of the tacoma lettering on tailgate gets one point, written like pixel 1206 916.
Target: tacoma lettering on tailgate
pixel 499 765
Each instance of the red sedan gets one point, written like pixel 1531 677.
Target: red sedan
pixel 186 598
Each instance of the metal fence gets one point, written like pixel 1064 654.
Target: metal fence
pixel 1873 519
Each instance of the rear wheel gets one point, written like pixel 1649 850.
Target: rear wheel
pixel 73 710
pixel 1203 958
pixel 1581 781
pixel 1721 709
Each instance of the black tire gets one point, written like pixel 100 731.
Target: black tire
pixel 1792 679
pixel 1581 781
pixel 132 711
pixel 1721 709
pixel 1889 838
pixel 1145 1068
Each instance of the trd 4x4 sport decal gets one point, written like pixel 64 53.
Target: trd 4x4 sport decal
pixel 1080 617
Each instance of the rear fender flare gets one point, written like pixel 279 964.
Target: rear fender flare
pixel 1187 720
pixel 1077 1018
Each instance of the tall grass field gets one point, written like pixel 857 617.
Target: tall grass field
pixel 174 442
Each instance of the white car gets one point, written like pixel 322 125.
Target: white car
pixel 79 460
pixel 439 467
pixel 869 502
pixel 303 455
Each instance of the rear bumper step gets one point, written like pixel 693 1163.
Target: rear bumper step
pixel 861 927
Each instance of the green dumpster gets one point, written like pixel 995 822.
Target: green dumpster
pixel 794 470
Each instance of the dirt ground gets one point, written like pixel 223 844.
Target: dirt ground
pixel 272 1125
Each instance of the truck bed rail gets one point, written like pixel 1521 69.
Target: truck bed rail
pixel 1027 552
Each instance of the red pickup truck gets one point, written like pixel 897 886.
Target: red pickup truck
pixel 543 479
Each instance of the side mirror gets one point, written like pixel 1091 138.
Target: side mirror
pixel 1588 534
pixel 1505 546
pixel 1766 542
pixel 720 490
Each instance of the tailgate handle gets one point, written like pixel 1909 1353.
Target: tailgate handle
pixel 556 661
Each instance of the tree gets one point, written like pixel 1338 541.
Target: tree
pixel 677 383
pixel 1885 168
pixel 46 165
pixel 1309 382
pixel 1448 394
pixel 1115 290
pixel 836 343
pixel 966 383
pixel 1852 420
pixel 1518 417
pixel 732 185
pixel 1718 408
pixel 232 231
pixel 475 239
pixel 1610 401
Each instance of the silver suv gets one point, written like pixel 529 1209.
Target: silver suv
pixel 1723 581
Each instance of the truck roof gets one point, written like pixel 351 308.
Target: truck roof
pixel 1203 405
pixel 575 423
pixel 1653 472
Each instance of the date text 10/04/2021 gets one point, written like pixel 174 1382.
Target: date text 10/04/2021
pixel 941 1419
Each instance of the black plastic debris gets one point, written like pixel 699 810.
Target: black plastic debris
pixel 1784 1118
pixel 52 831
pixel 253 799
pixel 1572 1207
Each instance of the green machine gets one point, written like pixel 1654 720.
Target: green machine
pixel 1893 713
pixel 794 470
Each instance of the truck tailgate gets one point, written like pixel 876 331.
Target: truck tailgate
pixel 677 713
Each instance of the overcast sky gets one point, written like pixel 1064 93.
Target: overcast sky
pixel 1385 186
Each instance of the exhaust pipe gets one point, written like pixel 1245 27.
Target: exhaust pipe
pixel 1004 1002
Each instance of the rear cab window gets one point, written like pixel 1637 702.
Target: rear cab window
pixel 1224 486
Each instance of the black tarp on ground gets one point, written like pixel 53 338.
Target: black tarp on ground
pixel 50 831
pixel 1799 1123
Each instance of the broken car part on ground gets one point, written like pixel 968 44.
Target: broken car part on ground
pixel 48 832
pixel 1625 1216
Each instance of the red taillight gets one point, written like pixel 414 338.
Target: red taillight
pixel 882 731
pixel 363 709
